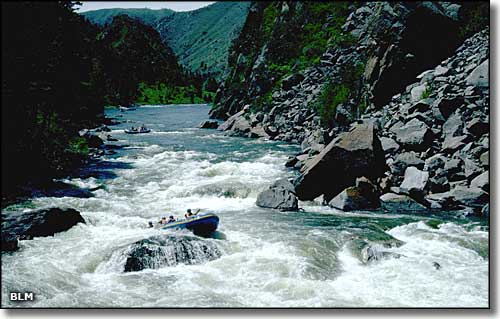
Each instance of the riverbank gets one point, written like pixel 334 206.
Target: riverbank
pixel 317 257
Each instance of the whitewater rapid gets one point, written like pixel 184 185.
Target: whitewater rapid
pixel 268 258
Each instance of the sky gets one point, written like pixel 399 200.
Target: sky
pixel 173 5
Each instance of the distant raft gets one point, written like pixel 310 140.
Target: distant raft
pixel 200 224
pixel 136 131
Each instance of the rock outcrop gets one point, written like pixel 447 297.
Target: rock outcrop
pixel 209 124
pixel 421 87
pixel 280 195
pixel 41 223
pixel 156 252
pixel 363 196
pixel 353 154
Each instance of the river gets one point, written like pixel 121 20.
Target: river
pixel 269 258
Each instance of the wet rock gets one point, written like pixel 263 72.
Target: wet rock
pixel 39 223
pixel 10 242
pixel 228 124
pixel 353 154
pixel 415 135
pixel 209 124
pixel 360 197
pixel 479 76
pixel 368 252
pixel 156 252
pixel 93 140
pixel 258 132
pixel 461 195
pixel 280 195
pixel 395 203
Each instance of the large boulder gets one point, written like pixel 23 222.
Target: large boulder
pixel 228 124
pixel 462 195
pixel 481 181
pixel 156 252
pixel 479 76
pixel 352 154
pixel 414 180
pixel 398 203
pixel 403 160
pixel 280 195
pixel 415 135
pixel 209 124
pixel 39 223
pixel 360 197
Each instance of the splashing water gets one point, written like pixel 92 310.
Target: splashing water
pixel 267 259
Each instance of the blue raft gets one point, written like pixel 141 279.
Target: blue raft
pixel 202 223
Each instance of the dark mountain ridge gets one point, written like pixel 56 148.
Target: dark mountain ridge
pixel 199 38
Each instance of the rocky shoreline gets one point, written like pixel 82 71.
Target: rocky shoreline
pixel 425 148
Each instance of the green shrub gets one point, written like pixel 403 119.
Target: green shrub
pixel 426 93
pixel 78 145
pixel 161 93
pixel 330 97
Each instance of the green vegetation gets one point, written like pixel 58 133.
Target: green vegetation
pixel 200 39
pixel 52 85
pixel 334 94
pixel 164 94
pixel 322 27
pixel 143 69
pixel 59 71
pixel 78 145
pixel 331 96
pixel 269 16
pixel 426 93
pixel 476 17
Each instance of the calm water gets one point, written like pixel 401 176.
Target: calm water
pixel 269 258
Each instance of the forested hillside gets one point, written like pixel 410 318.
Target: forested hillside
pixel 200 38
pixel 58 73
pixel 51 86
pixel 140 68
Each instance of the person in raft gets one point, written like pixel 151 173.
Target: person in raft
pixel 189 214
pixel 171 219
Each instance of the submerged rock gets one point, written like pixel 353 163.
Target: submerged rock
pixel 39 223
pixel 156 252
pixel 280 195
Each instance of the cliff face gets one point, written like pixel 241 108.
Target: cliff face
pixel 306 72
pixel 381 46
